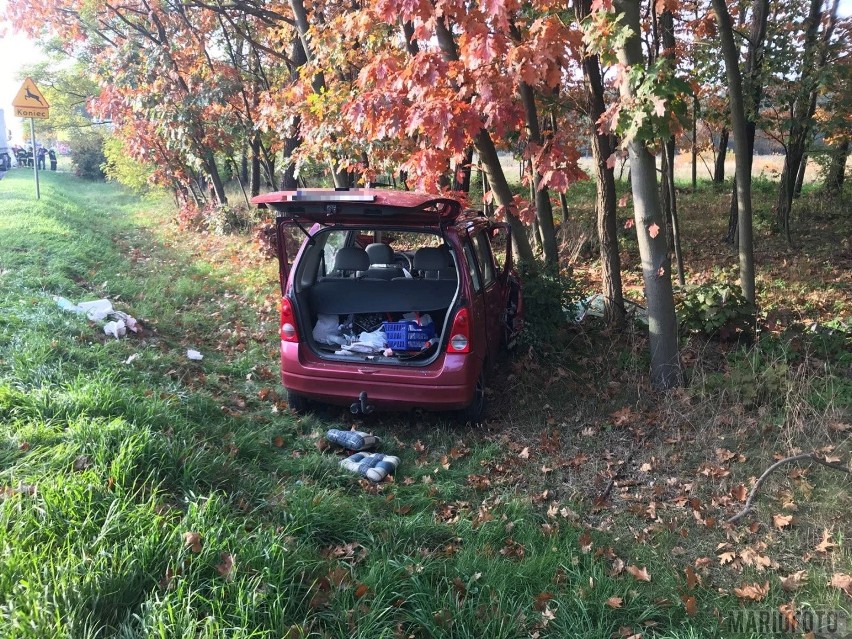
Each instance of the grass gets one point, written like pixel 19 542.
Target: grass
pixel 143 494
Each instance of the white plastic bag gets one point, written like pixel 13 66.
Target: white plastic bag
pixel 117 329
pixel 193 354
pixel 373 342
pixel 326 328
pixel 96 310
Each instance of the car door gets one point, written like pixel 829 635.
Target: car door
pixel 492 291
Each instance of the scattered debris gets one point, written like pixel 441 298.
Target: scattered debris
pixel 194 355
pixel 593 306
pixel 353 440
pixel 98 311
pixel 116 328
pixel 373 466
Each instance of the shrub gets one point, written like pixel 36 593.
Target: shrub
pixel 87 156
pixel 547 293
pixel 716 310
pixel 120 167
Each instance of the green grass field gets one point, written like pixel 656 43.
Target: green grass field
pixel 143 494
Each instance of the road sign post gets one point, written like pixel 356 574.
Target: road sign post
pixel 30 103
pixel 35 158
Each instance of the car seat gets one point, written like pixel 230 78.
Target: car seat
pixel 382 263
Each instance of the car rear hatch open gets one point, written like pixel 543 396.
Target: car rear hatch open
pixel 354 206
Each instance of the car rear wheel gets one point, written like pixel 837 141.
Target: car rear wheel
pixel 297 403
pixel 475 411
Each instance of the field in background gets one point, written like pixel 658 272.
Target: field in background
pixel 767 166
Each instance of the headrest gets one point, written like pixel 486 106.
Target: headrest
pixel 430 259
pixel 380 253
pixel 351 258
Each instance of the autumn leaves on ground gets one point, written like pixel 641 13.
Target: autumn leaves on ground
pixel 146 494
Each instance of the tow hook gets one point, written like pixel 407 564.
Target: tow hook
pixel 361 407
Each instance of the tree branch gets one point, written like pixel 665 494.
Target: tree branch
pixel 787 460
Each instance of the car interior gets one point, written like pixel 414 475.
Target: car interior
pixel 367 280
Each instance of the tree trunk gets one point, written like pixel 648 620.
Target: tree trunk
pixel 503 193
pixel 340 176
pixel 543 206
pixel 721 156
pixel 668 38
pixel 461 176
pixel 215 177
pixel 668 150
pixel 291 143
pixel 813 62
pixel 753 94
pixel 605 200
pixel 656 265
pixel 484 145
pixel 800 176
pixel 695 143
pixel 254 185
pixel 743 160
pixel 836 173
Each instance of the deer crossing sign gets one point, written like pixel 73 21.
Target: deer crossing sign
pixel 29 102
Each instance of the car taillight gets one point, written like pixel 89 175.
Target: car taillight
pixel 288 322
pixel 460 335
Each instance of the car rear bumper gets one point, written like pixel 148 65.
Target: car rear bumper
pixel 445 384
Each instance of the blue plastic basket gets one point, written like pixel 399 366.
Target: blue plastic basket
pixel 407 335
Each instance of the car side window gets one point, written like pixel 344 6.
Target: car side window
pixel 483 256
pixel 470 260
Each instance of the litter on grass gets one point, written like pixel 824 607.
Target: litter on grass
pixel 354 440
pixel 373 466
pixel 593 306
pixel 98 311
pixel 194 355
pixel 116 328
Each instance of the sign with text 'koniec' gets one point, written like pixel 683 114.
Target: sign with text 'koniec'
pixel 30 103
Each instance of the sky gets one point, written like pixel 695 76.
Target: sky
pixel 16 51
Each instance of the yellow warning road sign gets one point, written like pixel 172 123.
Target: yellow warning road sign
pixel 30 103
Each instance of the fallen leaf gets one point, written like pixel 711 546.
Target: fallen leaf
pixel 793 582
pixel 826 544
pixel 740 493
pixel 226 568
pixel 614 602
pixel 192 540
pixel 640 574
pixel 24 446
pixel 278 441
pixel 690 603
pixel 525 453
pixel 361 590
pixel 692 578
pixel 780 521
pixel 617 567
pixel 788 612
pixel 585 541
pixel 541 599
pixel 753 592
pixel 842 581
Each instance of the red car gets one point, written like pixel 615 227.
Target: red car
pixel 395 300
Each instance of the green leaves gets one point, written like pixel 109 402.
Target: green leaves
pixel 715 309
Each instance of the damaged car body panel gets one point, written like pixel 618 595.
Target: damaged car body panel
pixel 394 300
